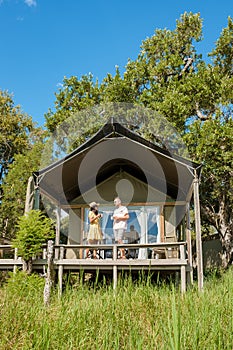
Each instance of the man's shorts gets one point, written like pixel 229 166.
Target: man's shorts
pixel 118 234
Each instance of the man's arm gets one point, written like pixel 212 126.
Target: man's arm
pixel 123 218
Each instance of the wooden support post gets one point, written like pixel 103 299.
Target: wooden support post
pixel 15 258
pixel 114 267
pixel 44 256
pixel 198 232
pixel 189 244
pixel 183 270
pixel 162 224
pixel 58 228
pixel 81 251
pixel 50 273
pixel 37 199
pixel 60 272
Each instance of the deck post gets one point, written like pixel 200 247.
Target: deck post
pixel 50 273
pixel 162 224
pixel 37 199
pixel 114 267
pixel 44 256
pixel 15 258
pixel 60 272
pixel 198 232
pixel 58 227
pixel 189 245
pixel 182 270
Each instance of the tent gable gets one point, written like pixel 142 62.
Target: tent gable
pixel 127 187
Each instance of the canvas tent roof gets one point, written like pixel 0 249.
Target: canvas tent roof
pixel 114 148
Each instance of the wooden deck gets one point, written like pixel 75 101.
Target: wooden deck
pixel 114 265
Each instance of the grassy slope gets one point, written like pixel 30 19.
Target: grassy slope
pixel 138 316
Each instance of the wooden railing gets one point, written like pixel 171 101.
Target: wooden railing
pixel 158 250
pixel 179 262
pixel 165 256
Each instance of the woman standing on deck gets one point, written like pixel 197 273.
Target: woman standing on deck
pixel 94 234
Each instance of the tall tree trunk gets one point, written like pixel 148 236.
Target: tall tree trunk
pixel 222 221
pixel 226 233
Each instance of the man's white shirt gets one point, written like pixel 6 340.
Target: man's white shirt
pixel 120 212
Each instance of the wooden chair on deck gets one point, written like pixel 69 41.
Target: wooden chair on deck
pixel 168 252
pixel 171 252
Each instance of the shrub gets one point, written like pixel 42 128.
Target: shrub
pixel 33 230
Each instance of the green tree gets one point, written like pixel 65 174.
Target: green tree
pixel 33 230
pixel 197 99
pixel 73 96
pixel 223 52
pixel 18 137
pixel 14 188
pixel 155 79
pixel 163 69
pixel 17 132
pixel 211 143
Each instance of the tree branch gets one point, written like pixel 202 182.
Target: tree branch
pixel 200 115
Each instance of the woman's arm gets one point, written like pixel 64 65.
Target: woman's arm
pixel 93 217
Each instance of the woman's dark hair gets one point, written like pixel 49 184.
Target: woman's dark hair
pixel 95 211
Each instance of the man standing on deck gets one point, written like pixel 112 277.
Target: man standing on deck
pixel 120 217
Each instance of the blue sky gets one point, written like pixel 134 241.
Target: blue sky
pixel 44 40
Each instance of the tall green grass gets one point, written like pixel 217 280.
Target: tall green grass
pixel 139 315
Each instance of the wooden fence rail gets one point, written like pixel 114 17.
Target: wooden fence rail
pixel 175 259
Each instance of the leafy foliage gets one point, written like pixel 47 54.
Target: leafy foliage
pixel 14 188
pixel 155 79
pixel 17 132
pixel 211 142
pixel 75 95
pixel 223 52
pixel 34 229
pixel 18 137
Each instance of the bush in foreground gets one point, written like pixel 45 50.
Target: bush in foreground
pixel 33 230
